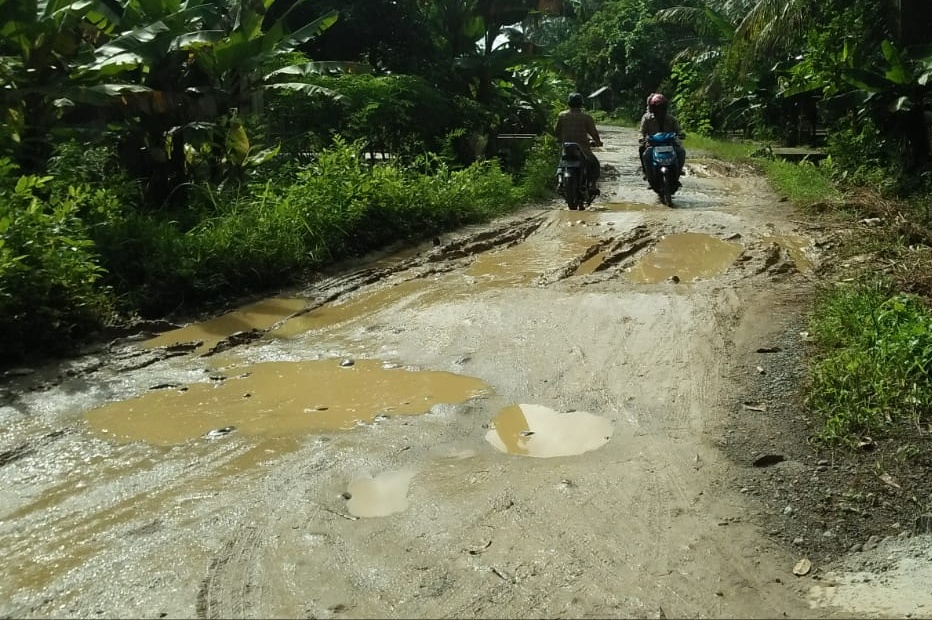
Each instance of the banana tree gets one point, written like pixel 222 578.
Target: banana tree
pixel 485 54
pixel 167 71
pixel 195 63
pixel 41 41
pixel 898 95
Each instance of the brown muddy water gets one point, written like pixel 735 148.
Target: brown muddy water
pixel 688 256
pixel 281 399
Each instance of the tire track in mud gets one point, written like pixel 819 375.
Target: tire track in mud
pixel 233 587
pixel 30 447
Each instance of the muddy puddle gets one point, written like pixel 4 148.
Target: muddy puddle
pixel 260 315
pixel 687 256
pixel 516 265
pixel 626 206
pixel 281 399
pixel 379 496
pixel 796 247
pixel 535 430
pixel 521 263
pixel 351 309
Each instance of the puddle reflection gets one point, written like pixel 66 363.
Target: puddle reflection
pixel 380 496
pixel 535 430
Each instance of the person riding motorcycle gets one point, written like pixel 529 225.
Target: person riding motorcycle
pixel 657 119
pixel 574 125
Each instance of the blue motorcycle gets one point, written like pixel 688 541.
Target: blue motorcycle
pixel 664 175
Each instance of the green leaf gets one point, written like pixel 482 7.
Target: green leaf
pixel 867 80
pixel 322 68
pixel 902 104
pixel 237 143
pixel 307 89
pixel 263 156
pixel 898 73
pixel 194 40
pixel 306 33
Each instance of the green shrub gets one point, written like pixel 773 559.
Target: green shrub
pixel 860 155
pixel 338 206
pixel 399 113
pixel 874 373
pixel 538 175
pixel 49 269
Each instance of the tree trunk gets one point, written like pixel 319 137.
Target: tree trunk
pixel 913 22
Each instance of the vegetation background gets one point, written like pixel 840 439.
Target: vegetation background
pixel 159 157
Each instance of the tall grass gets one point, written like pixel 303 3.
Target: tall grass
pixel 729 150
pixel 873 375
pixel 277 230
pixel 803 183
pixel 71 251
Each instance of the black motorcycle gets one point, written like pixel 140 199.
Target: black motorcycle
pixel 573 177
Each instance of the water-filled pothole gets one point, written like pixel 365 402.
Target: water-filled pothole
pixel 282 399
pixel 796 247
pixel 535 430
pixel 525 261
pixel 685 255
pixel 260 315
pixel 363 304
pixel 385 494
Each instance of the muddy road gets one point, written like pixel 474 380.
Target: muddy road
pixel 518 420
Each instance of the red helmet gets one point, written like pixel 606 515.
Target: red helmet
pixel 657 102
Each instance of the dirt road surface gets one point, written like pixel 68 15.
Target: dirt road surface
pixel 523 419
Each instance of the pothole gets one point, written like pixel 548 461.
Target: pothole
pixel 380 496
pixel 687 256
pixel 282 399
pixel 335 313
pixel 521 263
pixel 535 430
pixel 259 316
pixel 796 247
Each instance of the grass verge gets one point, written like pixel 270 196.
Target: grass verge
pixel 870 373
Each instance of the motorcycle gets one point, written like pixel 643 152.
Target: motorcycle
pixel 573 177
pixel 665 169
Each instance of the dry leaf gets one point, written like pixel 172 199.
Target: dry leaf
pixel 888 479
pixel 802 567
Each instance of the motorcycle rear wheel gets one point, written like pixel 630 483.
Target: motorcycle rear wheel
pixel 571 185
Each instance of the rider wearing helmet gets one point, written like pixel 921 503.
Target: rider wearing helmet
pixel 657 119
pixel 574 125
